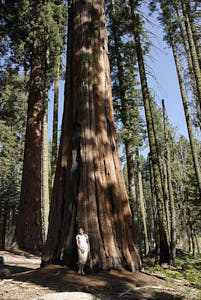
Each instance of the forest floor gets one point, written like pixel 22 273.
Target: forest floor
pixel 21 278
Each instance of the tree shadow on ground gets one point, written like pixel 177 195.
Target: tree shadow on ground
pixel 107 285
pixel 14 269
pixel 165 296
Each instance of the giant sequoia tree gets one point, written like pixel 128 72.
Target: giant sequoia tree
pixel 89 188
pixel 34 31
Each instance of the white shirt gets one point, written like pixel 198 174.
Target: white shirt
pixel 82 239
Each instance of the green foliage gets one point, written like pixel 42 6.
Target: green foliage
pixel 12 130
pixel 35 29
pixel 188 269
pixel 127 97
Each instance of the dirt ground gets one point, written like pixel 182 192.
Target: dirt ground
pixel 22 278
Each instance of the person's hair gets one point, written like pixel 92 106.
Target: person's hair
pixel 81 228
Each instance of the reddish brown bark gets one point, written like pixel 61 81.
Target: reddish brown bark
pixel 89 188
pixel 28 231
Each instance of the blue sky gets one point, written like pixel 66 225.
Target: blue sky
pixel 163 82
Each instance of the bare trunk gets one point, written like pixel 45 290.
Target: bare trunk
pixel 29 229
pixel 55 124
pixel 132 194
pixel 165 190
pixel 170 188
pixel 142 206
pixel 189 240
pixel 44 172
pixel 3 227
pixel 197 241
pixel 192 239
pixel 155 214
pixel 184 227
pixel 89 187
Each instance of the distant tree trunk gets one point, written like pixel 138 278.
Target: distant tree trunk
pixel 192 239
pixel 89 188
pixel 184 227
pixel 197 241
pixel 187 116
pixel 29 228
pixel 44 172
pixel 194 57
pixel 170 188
pixel 189 240
pixel 142 205
pixel 3 227
pixel 55 124
pixel 163 229
pixel 132 193
pixel 165 189
pixel 155 214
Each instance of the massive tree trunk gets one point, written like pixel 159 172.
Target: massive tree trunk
pixel 89 188
pixel 29 229
pixel 187 116
pixel 170 189
pixel 163 229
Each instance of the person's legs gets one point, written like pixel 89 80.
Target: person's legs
pixel 80 269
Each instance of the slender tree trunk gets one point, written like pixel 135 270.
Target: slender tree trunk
pixel 29 229
pixel 45 172
pixel 191 73
pixel 170 188
pixel 3 227
pixel 196 67
pixel 165 190
pixel 89 188
pixel 155 214
pixel 188 120
pixel 55 124
pixel 142 205
pixel 189 240
pixel 163 229
pixel 197 241
pixel 132 193
pixel 192 239
pixel 184 225
pixel 196 38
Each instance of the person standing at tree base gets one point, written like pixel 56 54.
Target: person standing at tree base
pixel 82 242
